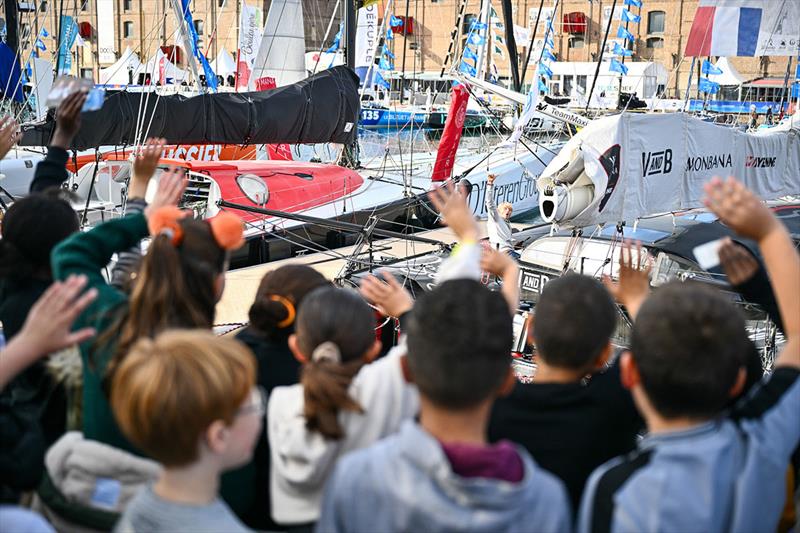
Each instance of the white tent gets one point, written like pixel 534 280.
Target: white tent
pixel 117 74
pixel 643 78
pixel 172 74
pixel 224 63
pixel 729 76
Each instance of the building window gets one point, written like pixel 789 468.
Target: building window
pixel 575 42
pixel 655 22
pixel 127 30
pixel 655 42
pixel 43 6
pixel 85 5
pixel 127 5
pixel 87 73
pixel 198 27
pixel 581 82
pixel 469 18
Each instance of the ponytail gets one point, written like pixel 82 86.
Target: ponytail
pixel 335 330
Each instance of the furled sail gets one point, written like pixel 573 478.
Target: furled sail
pixel 319 109
pixel 627 166
pixel 281 54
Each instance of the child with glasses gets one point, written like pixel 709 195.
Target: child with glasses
pixel 187 399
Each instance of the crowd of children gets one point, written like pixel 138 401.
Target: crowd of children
pixel 304 421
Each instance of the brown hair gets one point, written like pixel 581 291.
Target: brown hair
pixel 286 286
pixel 174 288
pixel 335 329
pixel 170 389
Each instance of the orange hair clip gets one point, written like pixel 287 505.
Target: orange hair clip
pixel 290 310
pixel 164 220
pixel 228 230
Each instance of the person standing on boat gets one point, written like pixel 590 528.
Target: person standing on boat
pixel 753 118
pixel 768 120
pixel 498 223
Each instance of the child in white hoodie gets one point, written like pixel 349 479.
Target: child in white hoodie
pixel 341 403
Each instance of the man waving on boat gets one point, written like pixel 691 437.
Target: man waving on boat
pixel 498 223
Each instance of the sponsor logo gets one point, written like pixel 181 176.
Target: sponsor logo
pixel 708 162
pixel 656 162
pixel 533 281
pixel 610 162
pixel 753 161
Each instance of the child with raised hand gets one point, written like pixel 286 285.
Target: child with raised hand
pixel 441 474
pixel 702 468
pixel 341 404
pixel 178 284
pixel 188 400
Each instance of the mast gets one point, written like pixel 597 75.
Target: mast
pixel 12 23
pixel 532 41
pixel 350 29
pixel 405 49
pixel 602 50
pixel 511 44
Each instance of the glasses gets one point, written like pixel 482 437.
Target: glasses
pixel 256 405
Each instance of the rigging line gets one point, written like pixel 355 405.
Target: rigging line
pixel 32 21
pixel 327 33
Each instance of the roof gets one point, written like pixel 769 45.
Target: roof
pixel 765 82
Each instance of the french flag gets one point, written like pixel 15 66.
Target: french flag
pixel 724 30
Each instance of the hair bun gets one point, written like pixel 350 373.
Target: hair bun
pixel 228 230
pixel 165 220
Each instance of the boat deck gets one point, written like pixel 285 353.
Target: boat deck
pixel 241 284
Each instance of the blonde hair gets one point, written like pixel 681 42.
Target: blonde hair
pixel 505 204
pixel 167 391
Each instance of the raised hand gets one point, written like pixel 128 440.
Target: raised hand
pixel 9 135
pixel 490 179
pixel 737 263
pixel 739 208
pixel 633 286
pixel 452 205
pixel 391 298
pixel 171 185
pixel 144 166
pixel 68 120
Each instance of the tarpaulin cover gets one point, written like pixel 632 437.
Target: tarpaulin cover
pixel 319 109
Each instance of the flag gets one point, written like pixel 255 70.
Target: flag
pixel 545 71
pixel 622 33
pixel 381 81
pixel 469 54
pixel 616 66
pixel 79 41
pixel 468 69
pixel 249 42
pixel 395 22
pixel 389 34
pixel 40 45
pixel 337 39
pixel 500 39
pixel 708 68
pixel 634 3
pixel 499 51
pixel 708 86
pixel 549 42
pixel 385 64
pixel 388 53
pixel 620 51
pixel 208 72
pixel 542 86
pixel 476 39
pixel 478 25
pixel 69 31
pixel 548 55
pixel 731 29
pixel 45 32
pixel 627 16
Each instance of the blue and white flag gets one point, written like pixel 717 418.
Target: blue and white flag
pixel 381 81
pixel 395 22
pixel 634 3
pixel 616 66
pixel 622 33
pixel 69 31
pixel 468 69
pixel 469 54
pixel 45 32
pixel 478 25
pixel 548 42
pixel 708 86
pixel 545 71
pixel 620 51
pixel 40 45
pixel 385 64
pixel 337 40
pixel 388 53
pixel 389 34
pixel 708 68
pixel 627 16
pixel 208 72
pixel 542 86
pixel 476 39
pixel 548 55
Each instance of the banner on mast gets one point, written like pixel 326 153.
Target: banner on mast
pixel 250 24
pixel 366 40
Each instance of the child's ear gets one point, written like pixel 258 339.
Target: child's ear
pixel 738 385
pixel 406 371
pixel 293 346
pixel 217 436
pixel 508 383
pixel 604 356
pixel 628 371
pixel 373 351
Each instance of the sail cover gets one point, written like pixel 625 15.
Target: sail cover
pixel 634 165
pixel 319 109
pixel 281 54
